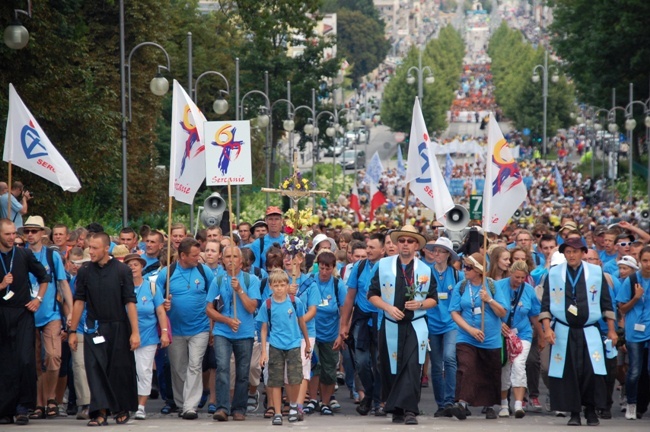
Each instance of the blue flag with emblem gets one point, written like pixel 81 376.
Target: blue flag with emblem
pixel 401 169
pixel 374 170
pixel 558 181
pixel 449 166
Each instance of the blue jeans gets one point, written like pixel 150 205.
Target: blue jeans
pixel 443 362
pixel 365 363
pixel 348 367
pixel 243 350
pixel 635 357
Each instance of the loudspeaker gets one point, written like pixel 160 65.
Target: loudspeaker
pixel 517 214
pixel 528 212
pixel 644 219
pixel 457 218
pixel 213 208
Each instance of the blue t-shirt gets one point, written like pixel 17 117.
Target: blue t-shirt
pixel 640 312
pixel 84 313
pixel 284 333
pixel 149 260
pixel 613 292
pixel 147 319
pixel 327 312
pixel 187 287
pixel 220 286
pixel 605 257
pixel 527 307
pixel 466 304
pixel 438 318
pixel 49 308
pixel 361 283
pixel 268 242
pixel 307 292
pixel 612 268
pixel 16 207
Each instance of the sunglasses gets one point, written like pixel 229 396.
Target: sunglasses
pixel 407 240
pixel 537 234
pixel 31 231
pixel 468 267
pixel 19 243
pixel 624 244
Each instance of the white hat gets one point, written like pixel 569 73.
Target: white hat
pixel 628 261
pixel 320 238
pixel 557 258
pixel 443 243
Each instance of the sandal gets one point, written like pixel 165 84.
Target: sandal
pixel 97 422
pixel 326 410
pixel 293 415
pixel 52 409
pixel 310 407
pixel 269 413
pixel 277 420
pixel 22 420
pixel 285 409
pixel 38 413
pixel 168 409
pixel 122 417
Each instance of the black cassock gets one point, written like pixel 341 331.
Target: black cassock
pixel 401 392
pixel 110 365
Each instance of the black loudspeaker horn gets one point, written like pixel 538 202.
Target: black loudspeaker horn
pixel 213 208
pixel 517 214
pixel 457 218
pixel 528 212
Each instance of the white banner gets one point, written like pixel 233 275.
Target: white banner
pixel 27 146
pixel 187 152
pixel 228 153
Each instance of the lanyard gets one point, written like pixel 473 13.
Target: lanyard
pixel 514 303
pixel 409 282
pixel 471 294
pixel 574 282
pixel 11 265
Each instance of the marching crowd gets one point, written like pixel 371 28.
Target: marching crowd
pixel 390 310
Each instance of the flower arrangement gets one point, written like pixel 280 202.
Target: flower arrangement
pixel 416 288
pixel 293 245
pixel 296 182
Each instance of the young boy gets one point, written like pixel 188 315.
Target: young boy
pixel 282 325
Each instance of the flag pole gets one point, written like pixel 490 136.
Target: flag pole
pixel 232 245
pixel 169 244
pixel 406 201
pixel 9 194
pixel 484 280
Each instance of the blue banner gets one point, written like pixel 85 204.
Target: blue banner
pixel 457 187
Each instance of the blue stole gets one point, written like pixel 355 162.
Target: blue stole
pixel 387 276
pixel 557 283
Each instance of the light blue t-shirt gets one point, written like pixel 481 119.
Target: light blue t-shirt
pixel 146 304
pixel 361 283
pixel 527 307
pixel 605 257
pixel 466 304
pixel 640 312
pixel 438 318
pixel 284 333
pixel 268 243
pixel 328 311
pixel 220 286
pixel 187 287
pixel 307 292
pixel 16 207
pixel 84 313
pixel 49 308
pixel 612 268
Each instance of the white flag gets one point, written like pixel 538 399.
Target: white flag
pixel 423 172
pixel 187 153
pixel 504 189
pixel 27 146
pixel 375 170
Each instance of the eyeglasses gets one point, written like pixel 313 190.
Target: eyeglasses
pixel 406 240
pixel 624 244
pixel 31 231
pixel 468 267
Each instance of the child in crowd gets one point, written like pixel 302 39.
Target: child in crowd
pixel 282 321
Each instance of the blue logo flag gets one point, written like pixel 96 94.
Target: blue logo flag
pixel 559 182
pixel 449 166
pixel 401 169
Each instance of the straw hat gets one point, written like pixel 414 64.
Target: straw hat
pixel 120 251
pixel 34 222
pixel 134 256
pixel 84 259
pixel 408 231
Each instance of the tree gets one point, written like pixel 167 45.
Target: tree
pixel 361 41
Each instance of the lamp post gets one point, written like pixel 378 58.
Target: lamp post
pixel 630 124
pixel 158 86
pixel 555 78
pixel 16 35
pixel 288 125
pixel 410 79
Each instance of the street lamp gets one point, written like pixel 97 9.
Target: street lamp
pixel 16 35
pixel 419 70
pixel 555 78
pixel 158 86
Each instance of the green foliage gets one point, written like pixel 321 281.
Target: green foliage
pixel 366 7
pixel 445 57
pixel 521 99
pixel 448 6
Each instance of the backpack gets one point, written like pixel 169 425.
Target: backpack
pixel 199 267
pixel 268 308
pixel 49 257
pixel 489 281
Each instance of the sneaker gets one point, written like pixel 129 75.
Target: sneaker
pixel 574 420
pixel 63 412
pixel 458 411
pixel 84 413
pixel 520 413
pixel 140 414
pixel 630 414
pixel 535 406
pixel 72 409
pixel 440 412
pixel 591 417
pixel 560 414
pixel 379 411
pixel 424 382
pixel 410 418
pixel 490 414
pixel 253 402
pixel 504 411
pixel 365 406
pixel 190 415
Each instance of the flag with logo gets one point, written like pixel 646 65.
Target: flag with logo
pixel 401 169
pixel 504 189
pixel 449 167
pixel 558 181
pixel 187 152
pixel 355 204
pixel 423 173
pixel 374 170
pixel 27 146
pixel 377 199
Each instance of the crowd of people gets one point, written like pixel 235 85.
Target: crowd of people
pixel 388 311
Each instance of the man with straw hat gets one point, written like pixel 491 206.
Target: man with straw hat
pixel 401 288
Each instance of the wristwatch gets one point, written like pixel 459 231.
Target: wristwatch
pixel 39 298
pixel 72 331
pixel 164 329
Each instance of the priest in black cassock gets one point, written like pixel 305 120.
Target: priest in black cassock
pixel 17 332
pixel 110 332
